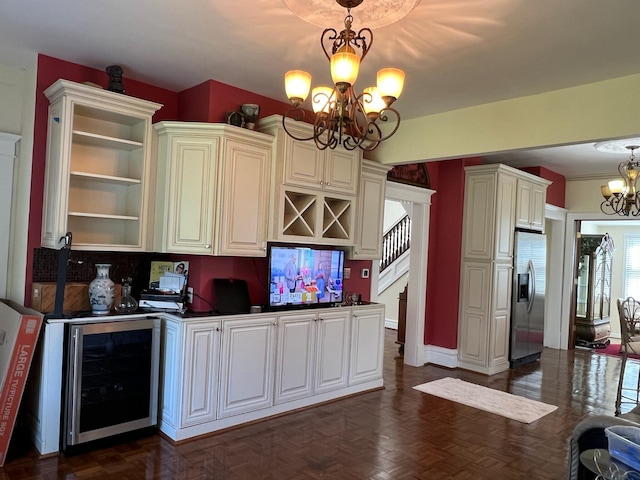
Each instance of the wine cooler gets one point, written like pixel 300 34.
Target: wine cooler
pixel 112 379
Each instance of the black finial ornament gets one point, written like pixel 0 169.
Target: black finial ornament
pixel 115 78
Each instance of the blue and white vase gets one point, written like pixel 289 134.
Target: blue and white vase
pixel 101 290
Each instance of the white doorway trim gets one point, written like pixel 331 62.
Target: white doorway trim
pixel 569 246
pixel 556 227
pixel 420 198
pixel 8 143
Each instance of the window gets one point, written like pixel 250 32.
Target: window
pixel 632 266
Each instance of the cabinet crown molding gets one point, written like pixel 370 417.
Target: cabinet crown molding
pixel 500 167
pixel 86 93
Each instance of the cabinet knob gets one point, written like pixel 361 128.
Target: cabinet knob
pixel 217 329
pixel 321 182
pixel 275 324
pixel 208 245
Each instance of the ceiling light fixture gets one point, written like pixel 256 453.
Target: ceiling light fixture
pixel 341 116
pixel 621 196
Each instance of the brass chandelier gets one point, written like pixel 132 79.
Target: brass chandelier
pixel 621 196
pixel 341 116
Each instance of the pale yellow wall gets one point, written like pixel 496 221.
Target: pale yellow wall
pixel 583 196
pixel 595 111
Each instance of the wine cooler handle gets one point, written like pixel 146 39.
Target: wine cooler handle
pixel 74 409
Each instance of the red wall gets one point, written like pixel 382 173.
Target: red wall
pixel 210 101
pixel 445 245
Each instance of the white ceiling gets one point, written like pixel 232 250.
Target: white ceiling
pixel 456 53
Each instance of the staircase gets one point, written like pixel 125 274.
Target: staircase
pixel 395 242
pixel 395 253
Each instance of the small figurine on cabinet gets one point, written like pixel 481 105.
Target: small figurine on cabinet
pixel 115 78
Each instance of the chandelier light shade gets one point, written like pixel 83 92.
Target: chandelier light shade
pixel 390 82
pixel 297 85
pixel 343 117
pixel 621 195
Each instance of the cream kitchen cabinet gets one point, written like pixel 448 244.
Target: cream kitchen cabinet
pixel 212 192
pixel 190 361
pixel 313 191
pixel 308 217
pixel 302 164
pixel 488 215
pixel 493 199
pixel 312 354
pixel 247 364
pixel 530 205
pixel 171 378
pixel 98 168
pixel 295 356
pixel 367 344
pixel 332 351
pixel 264 364
pixel 370 208
pixel 200 386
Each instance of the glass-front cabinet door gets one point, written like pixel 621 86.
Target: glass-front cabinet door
pixel 593 290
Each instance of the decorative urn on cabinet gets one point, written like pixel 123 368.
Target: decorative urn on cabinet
pixel 101 290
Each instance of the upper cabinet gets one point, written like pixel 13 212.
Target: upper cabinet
pixel 302 164
pixel 212 191
pixel 530 204
pixel 313 191
pixel 498 199
pixel 370 208
pixel 97 177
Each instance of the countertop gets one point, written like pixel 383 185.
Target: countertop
pixel 89 316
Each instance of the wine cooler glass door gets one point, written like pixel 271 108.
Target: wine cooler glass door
pixel 112 382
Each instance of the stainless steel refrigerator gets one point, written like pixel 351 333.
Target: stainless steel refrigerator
pixel 527 303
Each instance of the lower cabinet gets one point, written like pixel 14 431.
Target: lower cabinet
pixel 312 354
pixel 190 364
pixel 367 345
pixel 222 371
pixel 332 351
pixel 295 357
pixel 246 365
pixel 200 392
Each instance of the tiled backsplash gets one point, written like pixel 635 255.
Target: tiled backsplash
pixel 134 265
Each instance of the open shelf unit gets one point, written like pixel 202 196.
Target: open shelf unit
pixel 98 167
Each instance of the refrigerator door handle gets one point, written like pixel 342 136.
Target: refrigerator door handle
pixel 532 296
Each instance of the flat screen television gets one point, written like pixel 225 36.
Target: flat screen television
pixel 303 275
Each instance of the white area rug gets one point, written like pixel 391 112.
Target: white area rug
pixel 487 399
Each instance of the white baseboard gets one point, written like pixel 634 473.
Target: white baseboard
pixel 390 323
pixel 444 357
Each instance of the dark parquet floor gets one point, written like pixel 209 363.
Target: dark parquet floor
pixel 396 433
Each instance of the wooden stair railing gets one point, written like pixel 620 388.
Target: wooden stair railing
pixel 395 242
